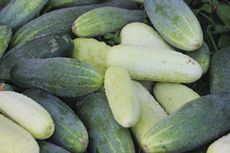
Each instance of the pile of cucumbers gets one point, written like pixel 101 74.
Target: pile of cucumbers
pixel 65 88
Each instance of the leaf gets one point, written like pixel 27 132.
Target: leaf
pixel 223 12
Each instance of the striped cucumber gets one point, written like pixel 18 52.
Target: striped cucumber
pixel 51 45
pixel 176 23
pixel 121 96
pixel 19 12
pixel 141 63
pixel 221 145
pixel 47 147
pixel 63 77
pixel 104 20
pixel 106 135
pixel 5 37
pixel 70 133
pixel 27 113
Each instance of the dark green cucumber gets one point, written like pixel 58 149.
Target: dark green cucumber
pixel 19 12
pixel 52 45
pixel 220 71
pixel 47 147
pixel 106 135
pixel 5 37
pixel 5 87
pixel 196 123
pixel 63 77
pixel 70 133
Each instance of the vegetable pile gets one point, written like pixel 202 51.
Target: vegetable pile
pixel 114 76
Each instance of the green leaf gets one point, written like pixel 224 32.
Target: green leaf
pixel 223 12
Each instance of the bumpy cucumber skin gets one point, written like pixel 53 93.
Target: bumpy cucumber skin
pixel 70 133
pixel 51 45
pixel 106 135
pixel 47 147
pixel 176 23
pixel 63 77
pixel 104 20
pixel 5 37
pixel 220 72
pixel 17 13
pixel 199 122
pixel 220 146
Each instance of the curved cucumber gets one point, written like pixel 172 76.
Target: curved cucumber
pixel 70 133
pixel 47 147
pixel 5 37
pixel 176 23
pixel 141 64
pixel 221 145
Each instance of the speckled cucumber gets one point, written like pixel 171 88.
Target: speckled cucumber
pixel 5 37
pixel 104 20
pixel 51 45
pixel 176 23
pixel 63 77
pixel 70 133
pixel 47 147
pixel 106 135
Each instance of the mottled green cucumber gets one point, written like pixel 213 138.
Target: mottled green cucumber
pixel 5 37
pixel 47 147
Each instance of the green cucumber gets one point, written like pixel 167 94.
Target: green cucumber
pixel 176 23
pixel 63 77
pixel 202 56
pixel 121 96
pixel 221 145
pixel 3 3
pixel 220 71
pixel 104 20
pixel 5 87
pixel 15 139
pixel 151 113
pixel 19 12
pixel 196 123
pixel 70 133
pixel 141 63
pixel 128 4
pixel 141 34
pixel 47 147
pixel 5 37
pixel 92 52
pixel 51 45
pixel 27 113
pixel 106 135
pixel 172 96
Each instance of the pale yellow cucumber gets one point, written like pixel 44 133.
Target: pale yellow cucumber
pixel 222 145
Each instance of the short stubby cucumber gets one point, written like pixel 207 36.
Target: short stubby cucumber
pixel 121 96
pixel 176 23
pixel 63 77
pixel 47 147
pixel 104 20
pixel 147 63
pixel 106 135
pixel 15 139
pixel 45 46
pixel 5 37
pixel 19 12
pixel 27 113
pixel 221 145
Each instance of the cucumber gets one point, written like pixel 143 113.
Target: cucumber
pixel 176 23
pixel 5 87
pixel 63 77
pixel 27 113
pixel 51 45
pixel 220 72
pixel 151 113
pixel 106 135
pixel 19 12
pixel 128 4
pixel 70 133
pixel 196 123
pixel 172 96
pixel 3 3
pixel 91 51
pixel 121 96
pixel 15 139
pixel 5 37
pixel 141 63
pixel 221 145
pixel 104 20
pixel 202 56
pixel 141 34
pixel 47 147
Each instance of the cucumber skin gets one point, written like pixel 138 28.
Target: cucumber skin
pixel 5 37
pixel 106 135
pixel 18 13
pixel 47 147
pixel 189 127
pixel 104 20
pixel 51 45
pixel 63 77
pixel 70 133
pixel 220 71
